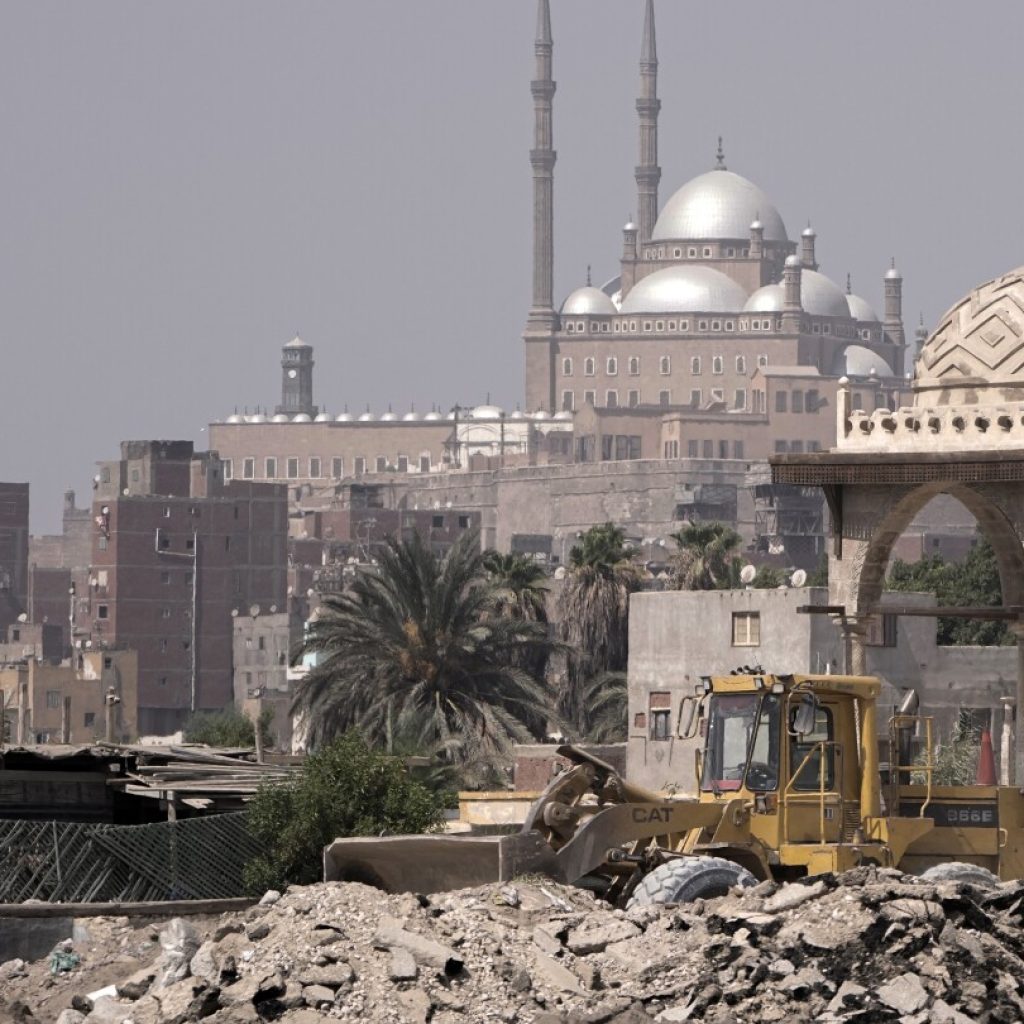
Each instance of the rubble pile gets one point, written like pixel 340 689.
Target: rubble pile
pixel 870 945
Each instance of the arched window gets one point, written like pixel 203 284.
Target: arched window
pixel 612 366
pixel 695 365
pixel 741 364
pixel 717 365
pixel 588 366
pixel 634 366
pixel 567 367
pixel 666 365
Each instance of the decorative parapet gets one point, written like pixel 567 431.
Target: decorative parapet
pixel 953 428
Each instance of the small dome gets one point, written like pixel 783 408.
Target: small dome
pixel 297 342
pixel 280 417
pixel 486 412
pixel 769 299
pixel 432 417
pixel 389 417
pixel 540 414
pixel 756 224
pixel 793 261
pixel 892 274
pixel 343 417
pixel 565 415
pixel 821 296
pixel 808 232
pixel 718 205
pixel 685 289
pixel 588 302
pixel 322 418
pixel 858 361
pixel 366 417
pixel 861 310
pixel 257 418
pixel 236 418
pixel 517 415
pixel 302 417
pixel 411 417
pixel 974 356
pixel 630 226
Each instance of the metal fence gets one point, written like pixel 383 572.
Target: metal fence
pixel 195 858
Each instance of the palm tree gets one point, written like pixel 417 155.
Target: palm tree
pixel 521 584
pixel 706 555
pixel 602 709
pixel 594 614
pixel 414 652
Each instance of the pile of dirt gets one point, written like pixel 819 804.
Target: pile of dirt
pixel 870 945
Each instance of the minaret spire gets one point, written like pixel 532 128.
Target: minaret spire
pixel 542 160
pixel 648 106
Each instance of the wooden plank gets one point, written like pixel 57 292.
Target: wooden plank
pixel 156 908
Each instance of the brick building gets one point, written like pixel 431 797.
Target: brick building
pixel 176 549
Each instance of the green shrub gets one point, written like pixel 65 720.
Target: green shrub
pixel 229 728
pixel 345 789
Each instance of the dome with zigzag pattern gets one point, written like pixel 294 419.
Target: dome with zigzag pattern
pixel 976 354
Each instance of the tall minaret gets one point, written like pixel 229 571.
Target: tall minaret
pixel 542 324
pixel 542 159
pixel 648 173
pixel 892 324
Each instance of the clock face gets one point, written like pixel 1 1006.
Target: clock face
pixel 293 374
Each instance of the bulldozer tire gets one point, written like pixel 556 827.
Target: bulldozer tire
pixel 958 871
pixel 685 879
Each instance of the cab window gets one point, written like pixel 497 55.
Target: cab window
pixel 742 742
pixel 809 776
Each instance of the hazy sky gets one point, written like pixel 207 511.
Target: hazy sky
pixel 186 184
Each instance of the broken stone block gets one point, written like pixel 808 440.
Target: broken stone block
pixel 790 896
pixel 546 938
pixel 70 1017
pixel 905 994
pixel 427 952
pixel 595 939
pixel 403 966
pixel 552 974
pixel 269 898
pixel 257 931
pixel 317 995
pixel 849 994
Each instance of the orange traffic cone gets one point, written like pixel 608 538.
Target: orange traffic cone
pixel 986 775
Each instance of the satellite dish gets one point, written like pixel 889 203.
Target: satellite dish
pixel 234 613
pixel 126 492
pixel 254 610
pixel 23 617
pixel 747 574
pixel 799 578
pixel 560 573
pixel 273 609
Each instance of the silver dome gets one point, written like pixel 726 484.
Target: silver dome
pixel 280 417
pixel 892 274
pixel 366 417
pixel 323 417
pixel 297 342
pixel 302 418
pixel 821 296
pixel 691 288
pixel 388 417
pixel 587 301
pixel 860 309
pixel 236 418
pixel 564 415
pixel 257 418
pixel 769 299
pixel 432 416
pixel 718 205
pixel 858 361
pixel 486 412
pixel 410 417
pixel 540 414
pixel 344 417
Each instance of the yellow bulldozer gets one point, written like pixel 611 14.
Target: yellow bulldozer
pixel 789 784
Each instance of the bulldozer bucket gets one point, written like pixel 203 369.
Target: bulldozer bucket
pixel 435 863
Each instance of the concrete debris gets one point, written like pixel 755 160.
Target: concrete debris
pixel 868 946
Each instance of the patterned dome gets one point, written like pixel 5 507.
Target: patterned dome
pixel 976 354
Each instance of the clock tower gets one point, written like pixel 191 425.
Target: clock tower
pixel 297 379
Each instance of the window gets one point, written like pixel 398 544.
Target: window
pixel 739 398
pixel 780 401
pixel 684 325
pixel 691 252
pixel 671 450
pixel 588 367
pixel 424 463
pixel 566 367
pixel 718 365
pixel 360 465
pixel 249 469
pixel 227 469
pixel 165 613
pixel 696 398
pixel 661 712
pixel 611 399
pixel 105 474
pixel 190 543
pixel 648 326
pixel 706 251
pixel 702 325
pixel 746 629
pixel 403 463
pixel 103 611
pixel 382 464
pixel 881 631
pixel 659 325
pixel 293 468
pixel 337 467
pixel 589 397
pixel 88 719
pixel 717 395
pixel 708 449
pixel 664 398
pixel 813 446
pixel 612 366
pixel 163 644
pixel 798 401
pixel 437 522
pixel 857 402
pixel 314 467
pixel 634 366
pixel 805 754
pixel 567 401
pixel 165 577
pixel 797 447
pixel 271 469
pixel 167 511
pixel 723 449
pixel 262 643
pixel 737 449
pixel 633 399
pixel 716 325
pixel 741 364
pixel 762 361
pixel 811 402
pixel 108 662
pixel 463 522
pixel 695 366
pixel 665 366
pixel 780 447
pixel 691 449
pixel 53 698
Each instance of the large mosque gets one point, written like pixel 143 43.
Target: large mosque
pixel 711 289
